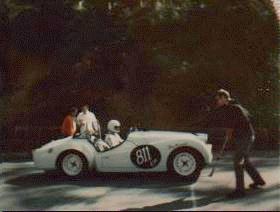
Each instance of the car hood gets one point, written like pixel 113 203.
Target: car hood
pixel 166 135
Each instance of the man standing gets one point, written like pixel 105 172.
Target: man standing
pixel 87 121
pixel 240 130
pixel 69 123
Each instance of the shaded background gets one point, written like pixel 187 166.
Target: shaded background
pixel 152 64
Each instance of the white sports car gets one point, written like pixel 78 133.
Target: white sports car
pixel 181 154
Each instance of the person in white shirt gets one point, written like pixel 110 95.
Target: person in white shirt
pixel 113 138
pixel 87 122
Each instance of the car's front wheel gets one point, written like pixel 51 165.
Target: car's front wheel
pixel 185 163
pixel 73 164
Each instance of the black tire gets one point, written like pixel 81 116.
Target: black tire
pixel 84 163
pixel 197 159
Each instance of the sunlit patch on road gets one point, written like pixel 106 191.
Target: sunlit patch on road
pixel 26 188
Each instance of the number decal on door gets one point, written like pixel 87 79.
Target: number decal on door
pixel 145 156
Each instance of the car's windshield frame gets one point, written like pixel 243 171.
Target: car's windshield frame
pixel 88 138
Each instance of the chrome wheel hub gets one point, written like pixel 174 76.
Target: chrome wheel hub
pixel 184 163
pixel 72 164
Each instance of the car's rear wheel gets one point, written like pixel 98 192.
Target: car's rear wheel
pixel 73 164
pixel 185 163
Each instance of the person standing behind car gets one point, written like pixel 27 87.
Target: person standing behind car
pixel 87 121
pixel 69 126
pixel 241 132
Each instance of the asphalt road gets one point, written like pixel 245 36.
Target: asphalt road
pixel 23 187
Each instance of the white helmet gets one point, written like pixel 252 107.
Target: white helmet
pixel 114 126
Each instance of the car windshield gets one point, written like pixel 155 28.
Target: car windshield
pixel 114 147
pixel 98 143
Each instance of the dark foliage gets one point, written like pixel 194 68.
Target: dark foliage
pixel 148 63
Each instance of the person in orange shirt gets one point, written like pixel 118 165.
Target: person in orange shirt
pixel 69 126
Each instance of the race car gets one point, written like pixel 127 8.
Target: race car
pixel 179 153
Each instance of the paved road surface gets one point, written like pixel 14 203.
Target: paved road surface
pixel 23 187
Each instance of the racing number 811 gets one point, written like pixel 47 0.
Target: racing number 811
pixel 145 156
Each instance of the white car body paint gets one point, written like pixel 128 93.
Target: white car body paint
pixel 118 159
pixel 46 156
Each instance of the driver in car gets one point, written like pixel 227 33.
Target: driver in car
pixel 112 137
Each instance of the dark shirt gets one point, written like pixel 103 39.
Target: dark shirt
pixel 232 116
pixel 240 121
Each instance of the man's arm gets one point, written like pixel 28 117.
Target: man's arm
pixel 229 133
pixel 67 127
pixel 234 118
pixel 95 124
pixel 231 123
pixel 108 140
pixel 79 123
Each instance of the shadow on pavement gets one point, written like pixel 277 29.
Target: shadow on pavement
pixel 118 180
pixel 179 204
pixel 34 189
pixel 206 198
pixel 47 190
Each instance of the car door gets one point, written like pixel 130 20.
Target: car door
pixel 118 159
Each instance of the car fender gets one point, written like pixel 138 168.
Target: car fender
pixel 167 147
pixel 84 148
pixel 204 149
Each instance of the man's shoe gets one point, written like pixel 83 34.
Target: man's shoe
pixel 256 185
pixel 236 194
